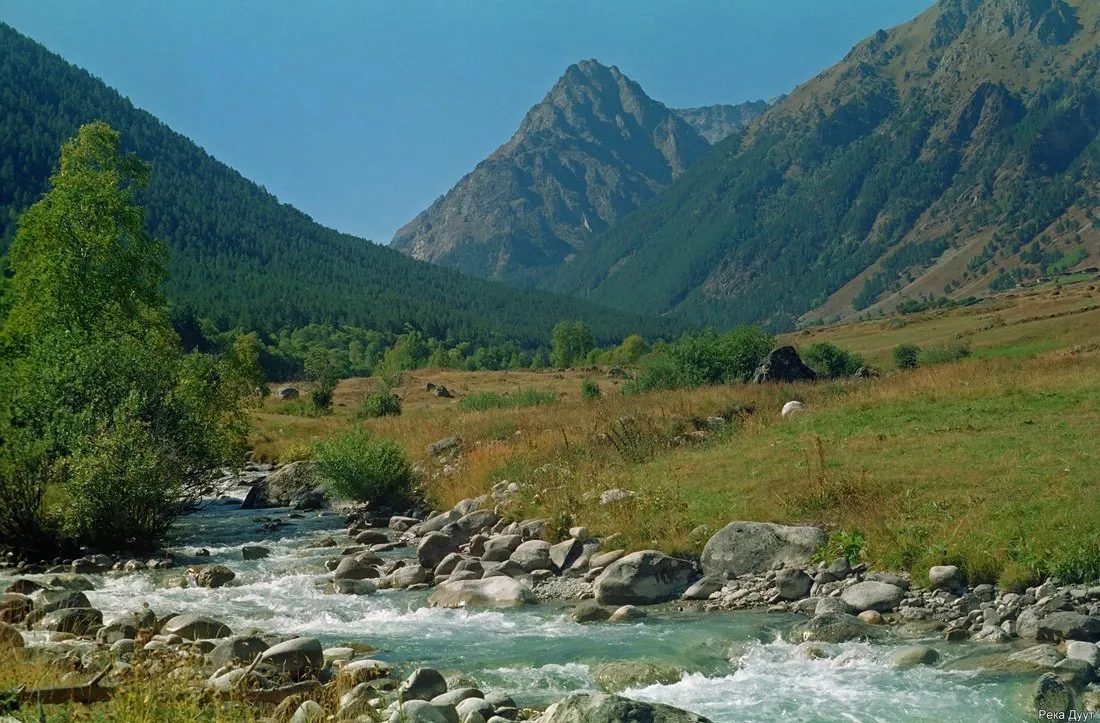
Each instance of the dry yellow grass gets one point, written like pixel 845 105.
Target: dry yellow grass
pixel 988 463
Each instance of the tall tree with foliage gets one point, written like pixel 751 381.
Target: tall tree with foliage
pixel 98 401
pixel 570 342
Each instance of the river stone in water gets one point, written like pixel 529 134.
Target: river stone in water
pixel 408 575
pixel 913 656
pixel 46 601
pixel 834 628
pixel 424 684
pixel 643 578
pixel 617 677
pixel 742 548
pixel 1054 699
pixel 213 576
pixel 590 612
pixel 494 592
pixel 194 627
pixel 296 659
pixel 596 708
pixel 78 621
pixel 351 568
pixel 871 595
pixel 254 552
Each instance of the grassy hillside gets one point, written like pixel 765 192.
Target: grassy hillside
pixel 239 256
pixel 969 134
pixel 985 462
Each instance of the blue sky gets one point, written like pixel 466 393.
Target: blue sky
pixel 362 112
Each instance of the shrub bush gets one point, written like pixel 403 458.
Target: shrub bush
pixel 944 354
pixel 382 402
pixel 707 358
pixel 658 372
pixel 906 356
pixel 830 361
pixel 361 467
pixel 590 389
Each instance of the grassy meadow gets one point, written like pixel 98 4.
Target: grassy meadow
pixel 988 462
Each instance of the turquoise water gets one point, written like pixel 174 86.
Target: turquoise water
pixel 538 654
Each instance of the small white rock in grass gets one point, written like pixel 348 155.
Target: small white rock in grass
pixel 792 408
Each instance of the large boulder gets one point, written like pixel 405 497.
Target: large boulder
pixel 566 553
pixel 78 621
pixel 532 555
pixel 352 568
pixel 236 650
pixel 46 601
pixel 783 365
pixel 597 708
pixel 1059 626
pixel 492 592
pixel 872 595
pixel 500 547
pixel 408 575
pixel 286 487
pixel 835 628
pixel 1053 699
pixel 423 684
pixel 644 578
pixel 617 677
pixel 212 576
pixel 195 627
pixel 433 548
pixel 742 548
pixel 296 659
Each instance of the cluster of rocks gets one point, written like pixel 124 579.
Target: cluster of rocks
pixel 470 556
pixel 90 564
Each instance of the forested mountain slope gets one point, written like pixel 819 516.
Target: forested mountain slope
pixel 961 147
pixel 591 152
pixel 241 258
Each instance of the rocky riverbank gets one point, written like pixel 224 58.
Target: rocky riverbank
pixel 471 558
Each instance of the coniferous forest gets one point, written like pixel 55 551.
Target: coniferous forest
pixel 240 259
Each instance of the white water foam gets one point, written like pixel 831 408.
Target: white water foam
pixel 778 681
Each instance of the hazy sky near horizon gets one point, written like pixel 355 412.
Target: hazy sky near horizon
pixel 362 113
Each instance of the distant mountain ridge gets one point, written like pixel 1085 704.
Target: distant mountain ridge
pixel 241 258
pixel 956 153
pixel 717 122
pixel 590 153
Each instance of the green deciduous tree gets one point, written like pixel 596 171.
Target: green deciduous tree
pixel 570 343
pixel 98 401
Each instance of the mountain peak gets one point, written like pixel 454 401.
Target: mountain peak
pixel 591 151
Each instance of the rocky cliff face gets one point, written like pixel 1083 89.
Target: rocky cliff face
pixel 591 152
pixel 717 122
